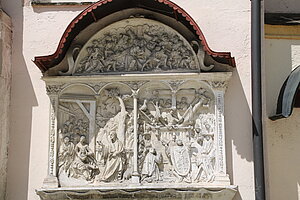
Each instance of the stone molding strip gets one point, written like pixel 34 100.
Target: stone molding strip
pixel 140 192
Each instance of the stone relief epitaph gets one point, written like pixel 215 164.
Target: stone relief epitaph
pixel 113 130
pixel 175 126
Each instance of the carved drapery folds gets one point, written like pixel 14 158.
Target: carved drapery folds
pixel 154 118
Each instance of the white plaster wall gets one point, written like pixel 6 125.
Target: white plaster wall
pixel 281 57
pixel 226 25
pixel 282 157
pixel 281 137
pixel 295 51
pixel 282 6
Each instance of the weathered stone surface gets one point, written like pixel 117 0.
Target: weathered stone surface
pixel 136 45
pixel 140 192
pixel 153 126
pixel 162 130
pixel 5 85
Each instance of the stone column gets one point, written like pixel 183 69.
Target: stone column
pixel 51 180
pixel 92 125
pixel 219 91
pixel 5 87
pixel 135 174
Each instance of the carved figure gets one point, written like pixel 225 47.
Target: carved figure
pixel 205 159
pixel 174 128
pixel 65 155
pixel 169 147
pixel 99 147
pixel 172 118
pixel 114 166
pixel 142 47
pixel 84 165
pixel 183 104
pixel 65 129
pixel 150 170
pixel 74 129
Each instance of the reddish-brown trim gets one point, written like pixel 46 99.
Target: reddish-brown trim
pixel 46 62
pixel 199 33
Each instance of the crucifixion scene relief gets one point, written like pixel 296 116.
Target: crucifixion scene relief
pixel 163 131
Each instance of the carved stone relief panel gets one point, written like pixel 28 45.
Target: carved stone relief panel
pixel 176 133
pixel 160 131
pixel 137 45
pixel 135 112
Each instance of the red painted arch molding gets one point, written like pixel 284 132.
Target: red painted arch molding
pixel 103 8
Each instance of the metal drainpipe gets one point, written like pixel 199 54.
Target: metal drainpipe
pixel 257 133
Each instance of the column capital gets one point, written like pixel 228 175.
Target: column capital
pixel 53 90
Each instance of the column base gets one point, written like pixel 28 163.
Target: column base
pixel 135 178
pixel 222 179
pixel 50 182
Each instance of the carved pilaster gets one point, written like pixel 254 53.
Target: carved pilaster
pixel 219 90
pixel 135 174
pixel 219 85
pixel 51 179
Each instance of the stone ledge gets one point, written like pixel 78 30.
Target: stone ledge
pixel 154 191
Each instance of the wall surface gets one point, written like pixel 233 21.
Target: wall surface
pixel 37 30
pixel 282 157
pixel 281 57
pixel 5 86
pixel 282 6
pixel 282 136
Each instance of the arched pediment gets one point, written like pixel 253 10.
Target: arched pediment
pixel 136 45
pixel 100 11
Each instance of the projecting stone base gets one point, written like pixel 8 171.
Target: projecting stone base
pixel 140 192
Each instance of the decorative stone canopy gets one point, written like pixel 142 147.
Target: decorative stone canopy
pixel 101 9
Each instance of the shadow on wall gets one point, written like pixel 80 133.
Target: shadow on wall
pixel 59 8
pixel 279 55
pixel 283 157
pixel 238 136
pixel 282 137
pixel 23 100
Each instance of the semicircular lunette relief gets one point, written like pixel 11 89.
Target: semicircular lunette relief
pixel 137 45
